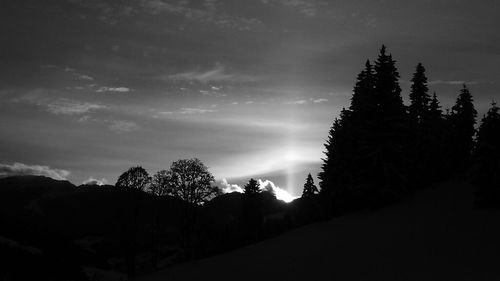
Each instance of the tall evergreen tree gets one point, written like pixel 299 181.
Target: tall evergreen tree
pixel 487 157
pixel 435 112
pixel 462 120
pixel 389 173
pixel 363 99
pixel 252 187
pixel 335 176
pixel 309 188
pixel 420 128
pixel 435 133
pixel 365 150
pixel 419 96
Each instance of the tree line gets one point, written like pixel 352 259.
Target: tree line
pixel 379 149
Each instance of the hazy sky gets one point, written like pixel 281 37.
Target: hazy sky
pixel 89 88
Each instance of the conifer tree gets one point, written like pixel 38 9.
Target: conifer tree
pixel 435 112
pixel 335 177
pixel 365 151
pixel 420 128
pixel 252 187
pixel 309 188
pixel 487 157
pixel 419 97
pixel 462 120
pixel 389 160
pixel 363 99
pixel 435 133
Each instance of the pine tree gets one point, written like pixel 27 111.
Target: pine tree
pixel 309 188
pixel 389 159
pixel 335 177
pixel 487 157
pixel 251 217
pixel 419 110
pixel 435 133
pixel 363 99
pixel 252 187
pixel 419 97
pixel 462 120
pixel 435 111
pixel 365 150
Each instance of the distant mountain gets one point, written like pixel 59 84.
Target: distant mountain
pixel 33 187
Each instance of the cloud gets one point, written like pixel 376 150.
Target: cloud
pixel 20 169
pixel 217 74
pixel 303 101
pixel 113 89
pixel 188 111
pixel 228 188
pixel 319 100
pixel 208 12
pixel 459 82
pixel 122 126
pixel 93 181
pixel 309 8
pixel 85 77
pixel 297 102
pixel 281 194
pixel 71 107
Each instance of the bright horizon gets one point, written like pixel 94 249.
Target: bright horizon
pixel 91 88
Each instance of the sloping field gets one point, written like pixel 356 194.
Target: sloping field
pixel 436 234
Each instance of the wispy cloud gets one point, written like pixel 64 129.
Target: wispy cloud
pixel 209 12
pixel 19 169
pixel 297 102
pixel 309 8
pixel 71 107
pixel 85 77
pixel 122 126
pixel 320 100
pixel 218 73
pixel 304 101
pixel 113 89
pixel 188 111
pixel 457 82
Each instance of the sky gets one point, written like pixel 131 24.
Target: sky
pixel 89 88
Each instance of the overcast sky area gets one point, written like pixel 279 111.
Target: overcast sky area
pixel 89 88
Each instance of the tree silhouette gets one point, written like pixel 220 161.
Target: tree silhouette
pixel 435 134
pixel 419 96
pixel 190 180
pixel 134 178
pixel 309 188
pixel 366 151
pixel 251 218
pixel 462 120
pixel 420 135
pixel 252 187
pixel 159 183
pixel 487 157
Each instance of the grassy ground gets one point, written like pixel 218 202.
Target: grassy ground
pixel 436 234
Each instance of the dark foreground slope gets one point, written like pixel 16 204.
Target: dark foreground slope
pixel 437 234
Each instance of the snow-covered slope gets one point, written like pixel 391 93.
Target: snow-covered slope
pixel 436 234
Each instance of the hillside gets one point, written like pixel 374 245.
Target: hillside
pixel 436 234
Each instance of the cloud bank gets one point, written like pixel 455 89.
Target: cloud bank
pixel 93 181
pixel 20 169
pixel 281 194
